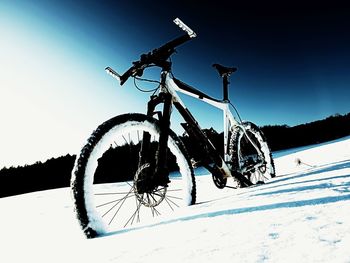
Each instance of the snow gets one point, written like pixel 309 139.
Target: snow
pixel 302 215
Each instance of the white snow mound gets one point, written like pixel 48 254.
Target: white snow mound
pixel 302 215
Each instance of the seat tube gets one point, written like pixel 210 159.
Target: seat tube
pixel 225 87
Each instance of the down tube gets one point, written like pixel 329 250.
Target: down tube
pixel 195 131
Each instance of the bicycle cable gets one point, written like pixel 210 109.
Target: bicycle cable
pixel 146 80
pixel 239 117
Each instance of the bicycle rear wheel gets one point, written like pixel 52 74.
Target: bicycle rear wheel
pixel 104 177
pixel 244 156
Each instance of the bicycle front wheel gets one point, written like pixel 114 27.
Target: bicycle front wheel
pixel 104 176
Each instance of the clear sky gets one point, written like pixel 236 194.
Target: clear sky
pixel 293 64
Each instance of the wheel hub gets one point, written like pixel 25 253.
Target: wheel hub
pixel 146 190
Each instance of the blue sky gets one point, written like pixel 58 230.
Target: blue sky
pixel 293 65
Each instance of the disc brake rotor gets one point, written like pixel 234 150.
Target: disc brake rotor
pixel 152 197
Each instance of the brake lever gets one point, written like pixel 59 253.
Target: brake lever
pixel 139 72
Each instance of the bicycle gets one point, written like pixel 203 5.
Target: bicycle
pixel 136 160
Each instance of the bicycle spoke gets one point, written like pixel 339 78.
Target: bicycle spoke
pixel 155 211
pixel 125 139
pixel 174 197
pixel 129 138
pixel 157 194
pixel 169 204
pixel 111 202
pixel 123 201
pixel 153 196
pixel 137 212
pixel 174 190
pixel 113 193
pixel 169 199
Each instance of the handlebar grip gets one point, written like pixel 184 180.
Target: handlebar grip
pixel 180 40
pixel 184 27
pixel 121 78
pixel 113 73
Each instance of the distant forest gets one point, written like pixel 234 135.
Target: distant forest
pixel 56 172
pixel 284 137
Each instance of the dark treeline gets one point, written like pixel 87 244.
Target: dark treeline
pixel 56 172
pixel 280 137
pixel 284 137
pixel 120 164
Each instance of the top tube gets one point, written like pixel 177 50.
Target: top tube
pixel 194 91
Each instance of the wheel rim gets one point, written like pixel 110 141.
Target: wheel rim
pixel 247 155
pixel 114 205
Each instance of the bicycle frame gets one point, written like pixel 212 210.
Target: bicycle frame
pixel 168 95
pixel 228 120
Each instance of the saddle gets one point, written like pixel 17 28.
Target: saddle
pixel 224 71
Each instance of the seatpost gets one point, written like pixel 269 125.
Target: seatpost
pixel 225 86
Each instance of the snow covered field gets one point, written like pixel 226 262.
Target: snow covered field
pixel 302 215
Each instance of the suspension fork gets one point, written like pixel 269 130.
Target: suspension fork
pixel 159 170
pixel 162 152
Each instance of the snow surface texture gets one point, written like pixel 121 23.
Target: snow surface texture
pixel 302 215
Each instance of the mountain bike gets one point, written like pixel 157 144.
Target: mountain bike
pixel 134 167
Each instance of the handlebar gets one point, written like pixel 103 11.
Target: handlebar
pixel 157 57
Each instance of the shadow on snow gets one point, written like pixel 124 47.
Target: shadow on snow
pixel 341 188
pixel 317 170
pixel 345 186
pixel 235 211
